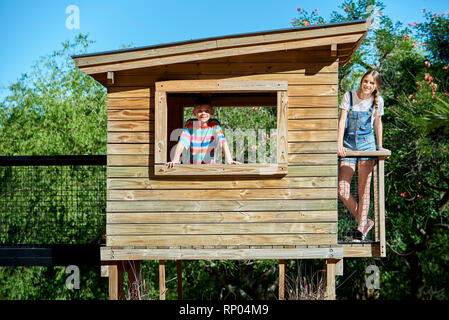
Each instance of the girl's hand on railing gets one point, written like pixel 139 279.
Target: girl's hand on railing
pixel 341 151
pixel 383 149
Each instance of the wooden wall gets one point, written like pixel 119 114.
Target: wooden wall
pixel 299 209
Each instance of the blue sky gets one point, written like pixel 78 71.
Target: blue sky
pixel 31 29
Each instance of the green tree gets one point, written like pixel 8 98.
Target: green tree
pixel 55 109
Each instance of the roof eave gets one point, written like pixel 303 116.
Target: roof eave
pixel 195 50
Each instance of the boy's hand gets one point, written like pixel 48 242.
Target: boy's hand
pixel 171 164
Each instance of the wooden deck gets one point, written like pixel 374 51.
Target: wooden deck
pixel 340 251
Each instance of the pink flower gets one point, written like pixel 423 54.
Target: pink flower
pixel 414 101
pixel 446 68
pixel 253 148
pixel 306 23
pixel 428 77
pixel 346 8
pixel 427 64
pixel 415 24
pixel 405 194
pixel 423 10
pixel 315 11
pixel 410 96
pixel 298 9
pixel 380 13
pixel 407 37
pixel 420 196
pixel 447 94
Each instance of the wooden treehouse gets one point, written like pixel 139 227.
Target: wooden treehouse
pixel 287 209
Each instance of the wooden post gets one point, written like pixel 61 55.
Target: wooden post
pixel 116 281
pixel 331 270
pixel 281 279
pixel 162 280
pixel 134 283
pixel 382 207
pixel 179 268
pixel 376 202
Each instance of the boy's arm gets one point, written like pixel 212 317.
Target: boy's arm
pixel 178 152
pixel 224 144
pixel 228 154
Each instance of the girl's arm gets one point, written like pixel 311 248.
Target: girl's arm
pixel 379 131
pixel 178 152
pixel 341 130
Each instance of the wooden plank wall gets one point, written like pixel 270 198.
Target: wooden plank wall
pixel 299 209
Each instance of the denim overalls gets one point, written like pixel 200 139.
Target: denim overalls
pixel 359 135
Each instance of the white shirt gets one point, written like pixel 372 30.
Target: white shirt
pixel 362 105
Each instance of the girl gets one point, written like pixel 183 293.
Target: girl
pixel 360 109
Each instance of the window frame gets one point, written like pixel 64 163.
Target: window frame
pixel 162 88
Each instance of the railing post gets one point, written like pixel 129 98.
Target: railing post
pixel 382 207
pixel 376 200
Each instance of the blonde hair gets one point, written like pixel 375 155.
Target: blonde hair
pixel 376 76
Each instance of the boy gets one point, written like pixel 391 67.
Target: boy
pixel 202 136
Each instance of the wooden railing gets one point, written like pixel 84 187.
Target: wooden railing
pixel 378 185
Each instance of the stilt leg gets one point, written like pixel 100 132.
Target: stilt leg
pixel 281 279
pixel 133 269
pixel 330 266
pixel 162 280
pixel 179 268
pixel 116 281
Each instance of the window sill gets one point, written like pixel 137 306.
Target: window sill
pixel 263 169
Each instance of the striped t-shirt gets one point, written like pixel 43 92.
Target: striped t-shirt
pixel 201 141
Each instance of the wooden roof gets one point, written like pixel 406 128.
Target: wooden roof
pixel 332 35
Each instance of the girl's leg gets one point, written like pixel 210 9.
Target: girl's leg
pixel 345 173
pixel 365 169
